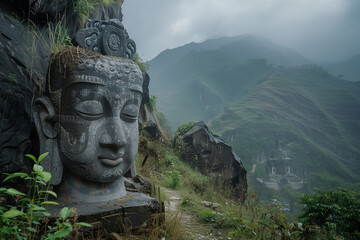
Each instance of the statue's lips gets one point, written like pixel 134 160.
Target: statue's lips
pixel 112 162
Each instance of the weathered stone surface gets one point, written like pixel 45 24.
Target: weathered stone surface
pixel 133 211
pixel 23 66
pixel 106 37
pixel 214 158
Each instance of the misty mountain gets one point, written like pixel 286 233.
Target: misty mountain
pixel 195 81
pixel 251 90
pixel 349 70
pixel 316 116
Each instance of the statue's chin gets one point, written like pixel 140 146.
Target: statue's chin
pixel 106 177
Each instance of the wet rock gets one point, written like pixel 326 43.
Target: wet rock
pixel 216 159
pixel 23 66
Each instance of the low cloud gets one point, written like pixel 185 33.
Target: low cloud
pixel 321 30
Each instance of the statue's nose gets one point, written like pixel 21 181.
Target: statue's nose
pixel 114 135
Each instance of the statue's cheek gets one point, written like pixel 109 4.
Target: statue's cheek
pixel 74 135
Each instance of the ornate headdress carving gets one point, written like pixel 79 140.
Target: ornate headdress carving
pixel 107 38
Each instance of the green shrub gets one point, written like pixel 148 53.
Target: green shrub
pixel 207 217
pixel 198 182
pixel 144 66
pixel 152 103
pixel 182 129
pixel 337 210
pixel 170 160
pixel 84 8
pixel 172 179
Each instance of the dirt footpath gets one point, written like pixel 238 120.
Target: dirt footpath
pixel 192 227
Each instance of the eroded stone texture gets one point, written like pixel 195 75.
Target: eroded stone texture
pixel 133 211
pixel 87 120
pixel 214 158
pixel 23 67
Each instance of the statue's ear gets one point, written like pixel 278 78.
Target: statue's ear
pixel 45 118
pixel 46 125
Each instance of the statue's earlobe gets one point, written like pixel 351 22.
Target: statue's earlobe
pixel 46 125
pixel 45 117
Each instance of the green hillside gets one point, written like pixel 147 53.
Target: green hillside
pixel 251 91
pixel 316 116
pixel 196 81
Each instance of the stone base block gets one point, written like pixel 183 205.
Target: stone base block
pixel 133 211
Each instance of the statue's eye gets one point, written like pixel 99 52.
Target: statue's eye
pixel 90 109
pixel 130 113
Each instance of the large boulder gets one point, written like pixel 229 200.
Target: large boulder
pixel 216 159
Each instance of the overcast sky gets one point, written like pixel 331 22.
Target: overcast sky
pixel 322 30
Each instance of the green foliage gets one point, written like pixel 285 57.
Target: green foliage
pixel 182 129
pixel 215 134
pixel 337 210
pixel 13 78
pixel 144 66
pixel 23 221
pixel 172 179
pixel 198 181
pixel 170 160
pixel 163 122
pixel 152 103
pixel 84 8
pixel 207 217
pixel 55 36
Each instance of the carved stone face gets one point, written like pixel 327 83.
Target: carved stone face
pixel 98 118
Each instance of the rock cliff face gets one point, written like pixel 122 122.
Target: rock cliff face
pixel 23 68
pixel 214 158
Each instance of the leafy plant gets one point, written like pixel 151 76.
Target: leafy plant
pixel 199 182
pixel 58 37
pixel 170 160
pixel 84 8
pixel 144 66
pixel 172 179
pixel 182 129
pixel 337 210
pixel 23 220
pixel 152 103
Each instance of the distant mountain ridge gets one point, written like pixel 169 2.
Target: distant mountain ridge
pixel 183 69
pixel 250 90
pixel 349 69
pixel 171 56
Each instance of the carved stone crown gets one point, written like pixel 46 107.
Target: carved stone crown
pixel 107 38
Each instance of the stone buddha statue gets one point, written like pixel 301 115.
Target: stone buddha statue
pixel 88 121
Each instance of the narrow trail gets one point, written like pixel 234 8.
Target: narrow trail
pixel 195 229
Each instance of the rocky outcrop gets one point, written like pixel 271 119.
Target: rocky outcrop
pixel 23 67
pixel 214 158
